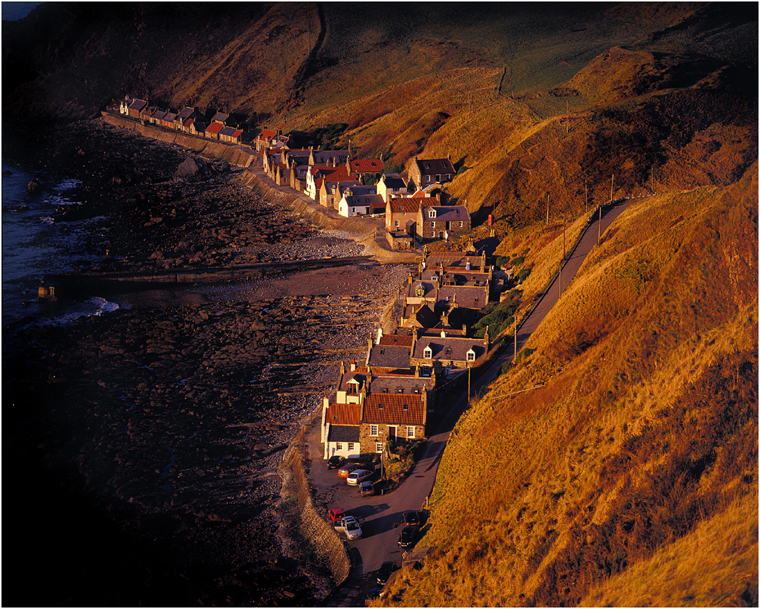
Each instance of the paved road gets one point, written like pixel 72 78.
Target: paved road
pixel 380 516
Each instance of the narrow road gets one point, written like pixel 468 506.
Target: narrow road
pixel 380 516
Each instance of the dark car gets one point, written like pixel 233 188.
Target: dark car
pixel 408 536
pixel 366 489
pixel 384 572
pixel 411 519
pixel 334 462
pixel 372 595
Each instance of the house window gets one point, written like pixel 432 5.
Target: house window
pixel 432 224
pixel 353 389
pixel 427 353
pixel 410 432
pixel 373 430
pixel 378 447
pixel 427 178
pixel 397 223
pixel 339 446
pixel 461 224
pixel 471 356
pixel 431 214
pixel 351 446
pixel 432 234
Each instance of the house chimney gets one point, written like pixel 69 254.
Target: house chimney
pixel 379 335
pixel 416 372
pixel 371 342
pixel 342 368
pixel 353 365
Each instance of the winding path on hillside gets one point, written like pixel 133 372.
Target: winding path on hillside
pixel 380 516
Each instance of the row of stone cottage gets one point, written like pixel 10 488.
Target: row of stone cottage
pixel 188 120
pixel 396 394
pixel 337 180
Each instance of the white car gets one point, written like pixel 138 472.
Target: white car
pixel 350 527
pixel 358 475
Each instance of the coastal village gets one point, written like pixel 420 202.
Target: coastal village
pixel 394 394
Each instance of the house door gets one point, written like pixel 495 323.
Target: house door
pixel 392 432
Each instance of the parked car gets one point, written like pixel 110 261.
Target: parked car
pixel 347 468
pixel 350 526
pixel 372 596
pixel 336 514
pixel 359 475
pixel 408 537
pixel 384 572
pixel 366 489
pixel 335 462
pixel 411 519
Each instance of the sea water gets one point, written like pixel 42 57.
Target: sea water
pixel 34 245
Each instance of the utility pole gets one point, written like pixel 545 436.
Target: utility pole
pixel 515 357
pixel 599 236
pixel 547 208
pixel 559 283
pixel 612 186
pixel 585 183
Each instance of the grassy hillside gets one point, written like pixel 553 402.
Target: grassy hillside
pixel 639 446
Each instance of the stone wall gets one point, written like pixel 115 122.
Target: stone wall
pixel 320 536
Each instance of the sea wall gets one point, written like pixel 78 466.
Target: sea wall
pixel 206 148
pixel 311 533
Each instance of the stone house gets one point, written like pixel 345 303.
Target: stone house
pixel 231 135
pixel 441 222
pixel 402 213
pixel 212 131
pixel 358 201
pixel 445 354
pixel 395 416
pixel 424 172
pixel 136 107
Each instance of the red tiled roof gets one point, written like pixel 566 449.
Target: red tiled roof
pixel 366 165
pixel 398 408
pixel 405 204
pixel 400 340
pixel 267 134
pixel 344 414
pixel 214 128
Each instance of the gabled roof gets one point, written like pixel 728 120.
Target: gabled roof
pixel 366 165
pixel 405 204
pixel 364 200
pixel 453 259
pixel 394 408
pixel 456 213
pixel 267 134
pixel 343 414
pixel 138 104
pixel 343 433
pixel 199 126
pixel 170 116
pixel 186 113
pixel 433 166
pixel 220 117
pixel 389 356
pixel 214 128
pixel 322 157
pixel 466 296
pixel 352 377
pixel 188 122
pixel 449 348
pixel 394 182
pixel 159 114
pixel 396 340
pixel 397 383
pixel 231 131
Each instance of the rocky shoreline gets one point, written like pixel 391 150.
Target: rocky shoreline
pixel 158 428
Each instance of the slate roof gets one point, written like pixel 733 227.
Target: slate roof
pixel 185 113
pixel 348 376
pixel 170 116
pixel 344 414
pixel 449 348
pixel 159 114
pixel 343 433
pixel 394 408
pixel 138 104
pixel 364 200
pixel 469 297
pixel 433 166
pixel 220 117
pixel 398 384
pixel 322 157
pixel 366 165
pixel 453 259
pixel 389 356
pixel 457 213
pixel 230 131
pixel 393 181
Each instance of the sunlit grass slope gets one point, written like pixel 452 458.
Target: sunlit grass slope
pixel 640 442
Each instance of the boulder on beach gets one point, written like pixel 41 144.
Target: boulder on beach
pixel 191 168
pixel 33 186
